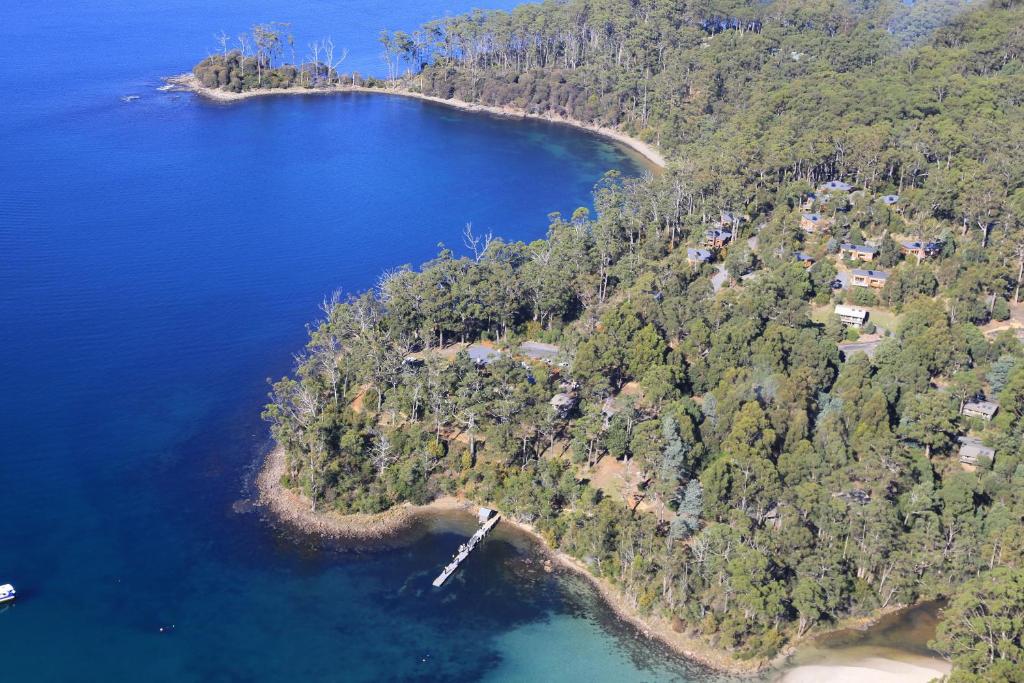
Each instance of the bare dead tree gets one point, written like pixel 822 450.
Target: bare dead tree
pixel 327 347
pixel 1020 271
pixel 223 39
pixel 383 453
pixel 244 45
pixel 314 60
pixel 477 245
pixel 290 39
pixel 332 64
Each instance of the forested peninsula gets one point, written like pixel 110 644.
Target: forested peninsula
pixel 777 386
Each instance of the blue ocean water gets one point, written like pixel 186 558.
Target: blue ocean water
pixel 158 261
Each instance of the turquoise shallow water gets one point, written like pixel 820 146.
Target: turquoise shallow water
pixel 158 260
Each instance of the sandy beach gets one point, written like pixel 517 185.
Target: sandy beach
pixel 870 669
pixel 648 152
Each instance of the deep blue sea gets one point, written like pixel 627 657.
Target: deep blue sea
pixel 158 262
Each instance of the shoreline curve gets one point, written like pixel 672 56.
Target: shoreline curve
pixel 396 526
pixel 646 151
pixel 293 510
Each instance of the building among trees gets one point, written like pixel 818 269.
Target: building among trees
pixel 921 250
pixel 798 489
pixel 835 186
pixel 804 259
pixel 858 252
pixel 855 317
pixel 728 220
pixel 717 238
pixel 697 257
pixel 985 410
pixel 813 223
pixel 972 451
pixel 874 279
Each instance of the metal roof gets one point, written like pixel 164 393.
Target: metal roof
pixel 851 311
pixel 859 247
pixel 876 274
pixel 971 448
pixel 984 407
pixel 837 185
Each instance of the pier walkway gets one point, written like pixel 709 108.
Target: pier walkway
pixel 466 548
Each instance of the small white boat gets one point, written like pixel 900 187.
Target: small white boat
pixel 130 98
pixel 7 593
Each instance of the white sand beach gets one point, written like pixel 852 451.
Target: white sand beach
pixel 870 669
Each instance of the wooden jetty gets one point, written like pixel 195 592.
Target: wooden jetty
pixel 488 520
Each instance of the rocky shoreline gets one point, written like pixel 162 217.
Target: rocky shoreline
pixel 392 527
pixel 648 152
pixel 294 510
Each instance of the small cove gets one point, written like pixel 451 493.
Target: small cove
pixel 159 260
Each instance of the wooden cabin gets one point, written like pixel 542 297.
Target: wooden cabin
pixel 716 239
pixel 972 451
pixel 984 410
pixel 813 223
pixel 851 316
pixel 874 279
pixel 696 257
pixel 858 252
pixel 921 250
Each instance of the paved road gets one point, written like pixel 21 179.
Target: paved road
pixel 868 347
pixel 719 278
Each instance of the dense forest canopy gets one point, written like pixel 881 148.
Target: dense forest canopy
pixel 778 384
pixel 755 97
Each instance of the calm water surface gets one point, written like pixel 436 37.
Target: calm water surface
pixel 902 636
pixel 158 260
